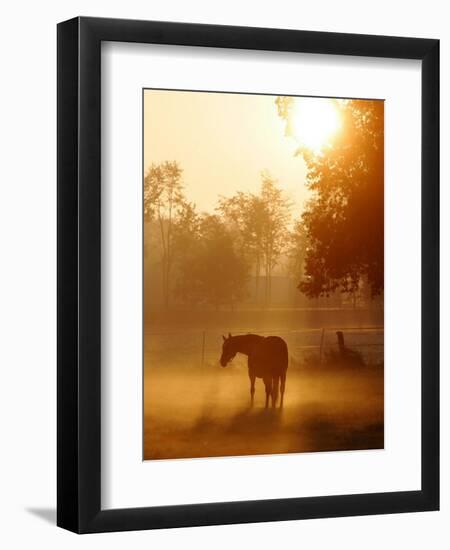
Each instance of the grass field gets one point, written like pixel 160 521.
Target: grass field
pixel 195 408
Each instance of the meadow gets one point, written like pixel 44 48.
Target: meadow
pixel 195 408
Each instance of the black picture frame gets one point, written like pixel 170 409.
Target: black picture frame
pixel 79 280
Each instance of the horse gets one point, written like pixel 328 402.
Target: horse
pixel 267 359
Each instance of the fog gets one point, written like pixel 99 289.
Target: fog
pixel 193 407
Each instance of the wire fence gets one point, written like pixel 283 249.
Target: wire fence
pixel 313 346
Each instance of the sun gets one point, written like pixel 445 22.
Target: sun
pixel 314 121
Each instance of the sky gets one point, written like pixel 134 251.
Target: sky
pixel 222 142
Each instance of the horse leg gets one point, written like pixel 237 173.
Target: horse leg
pixel 282 387
pixel 268 385
pixel 252 388
pixel 275 383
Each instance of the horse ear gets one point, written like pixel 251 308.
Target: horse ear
pixel 229 335
pixel 224 339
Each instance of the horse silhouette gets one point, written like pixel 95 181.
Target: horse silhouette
pixel 267 359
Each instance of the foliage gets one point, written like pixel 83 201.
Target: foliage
pixel 163 203
pixel 277 215
pixel 344 221
pixel 259 221
pixel 211 271
pixel 296 250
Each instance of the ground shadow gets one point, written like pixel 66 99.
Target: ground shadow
pixel 253 421
pixel 46 514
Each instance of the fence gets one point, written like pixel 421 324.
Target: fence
pixel 306 346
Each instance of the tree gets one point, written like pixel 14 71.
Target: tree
pixel 344 221
pixel 212 272
pixel 276 216
pixel 163 201
pixel 245 216
pixel 185 229
pixel 296 251
pixel 260 223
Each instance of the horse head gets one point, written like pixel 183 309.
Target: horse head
pixel 228 350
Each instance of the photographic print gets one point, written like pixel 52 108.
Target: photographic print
pixel 263 274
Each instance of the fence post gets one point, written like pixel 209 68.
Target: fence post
pixel 321 345
pixel 341 342
pixel 203 347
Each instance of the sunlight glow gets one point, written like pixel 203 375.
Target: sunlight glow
pixel 314 121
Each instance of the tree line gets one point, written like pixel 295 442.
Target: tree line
pixel 336 242
pixel 208 258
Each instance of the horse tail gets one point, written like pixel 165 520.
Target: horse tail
pixel 282 387
pixel 275 389
pixel 285 357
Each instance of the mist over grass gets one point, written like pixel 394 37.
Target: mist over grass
pixel 199 410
